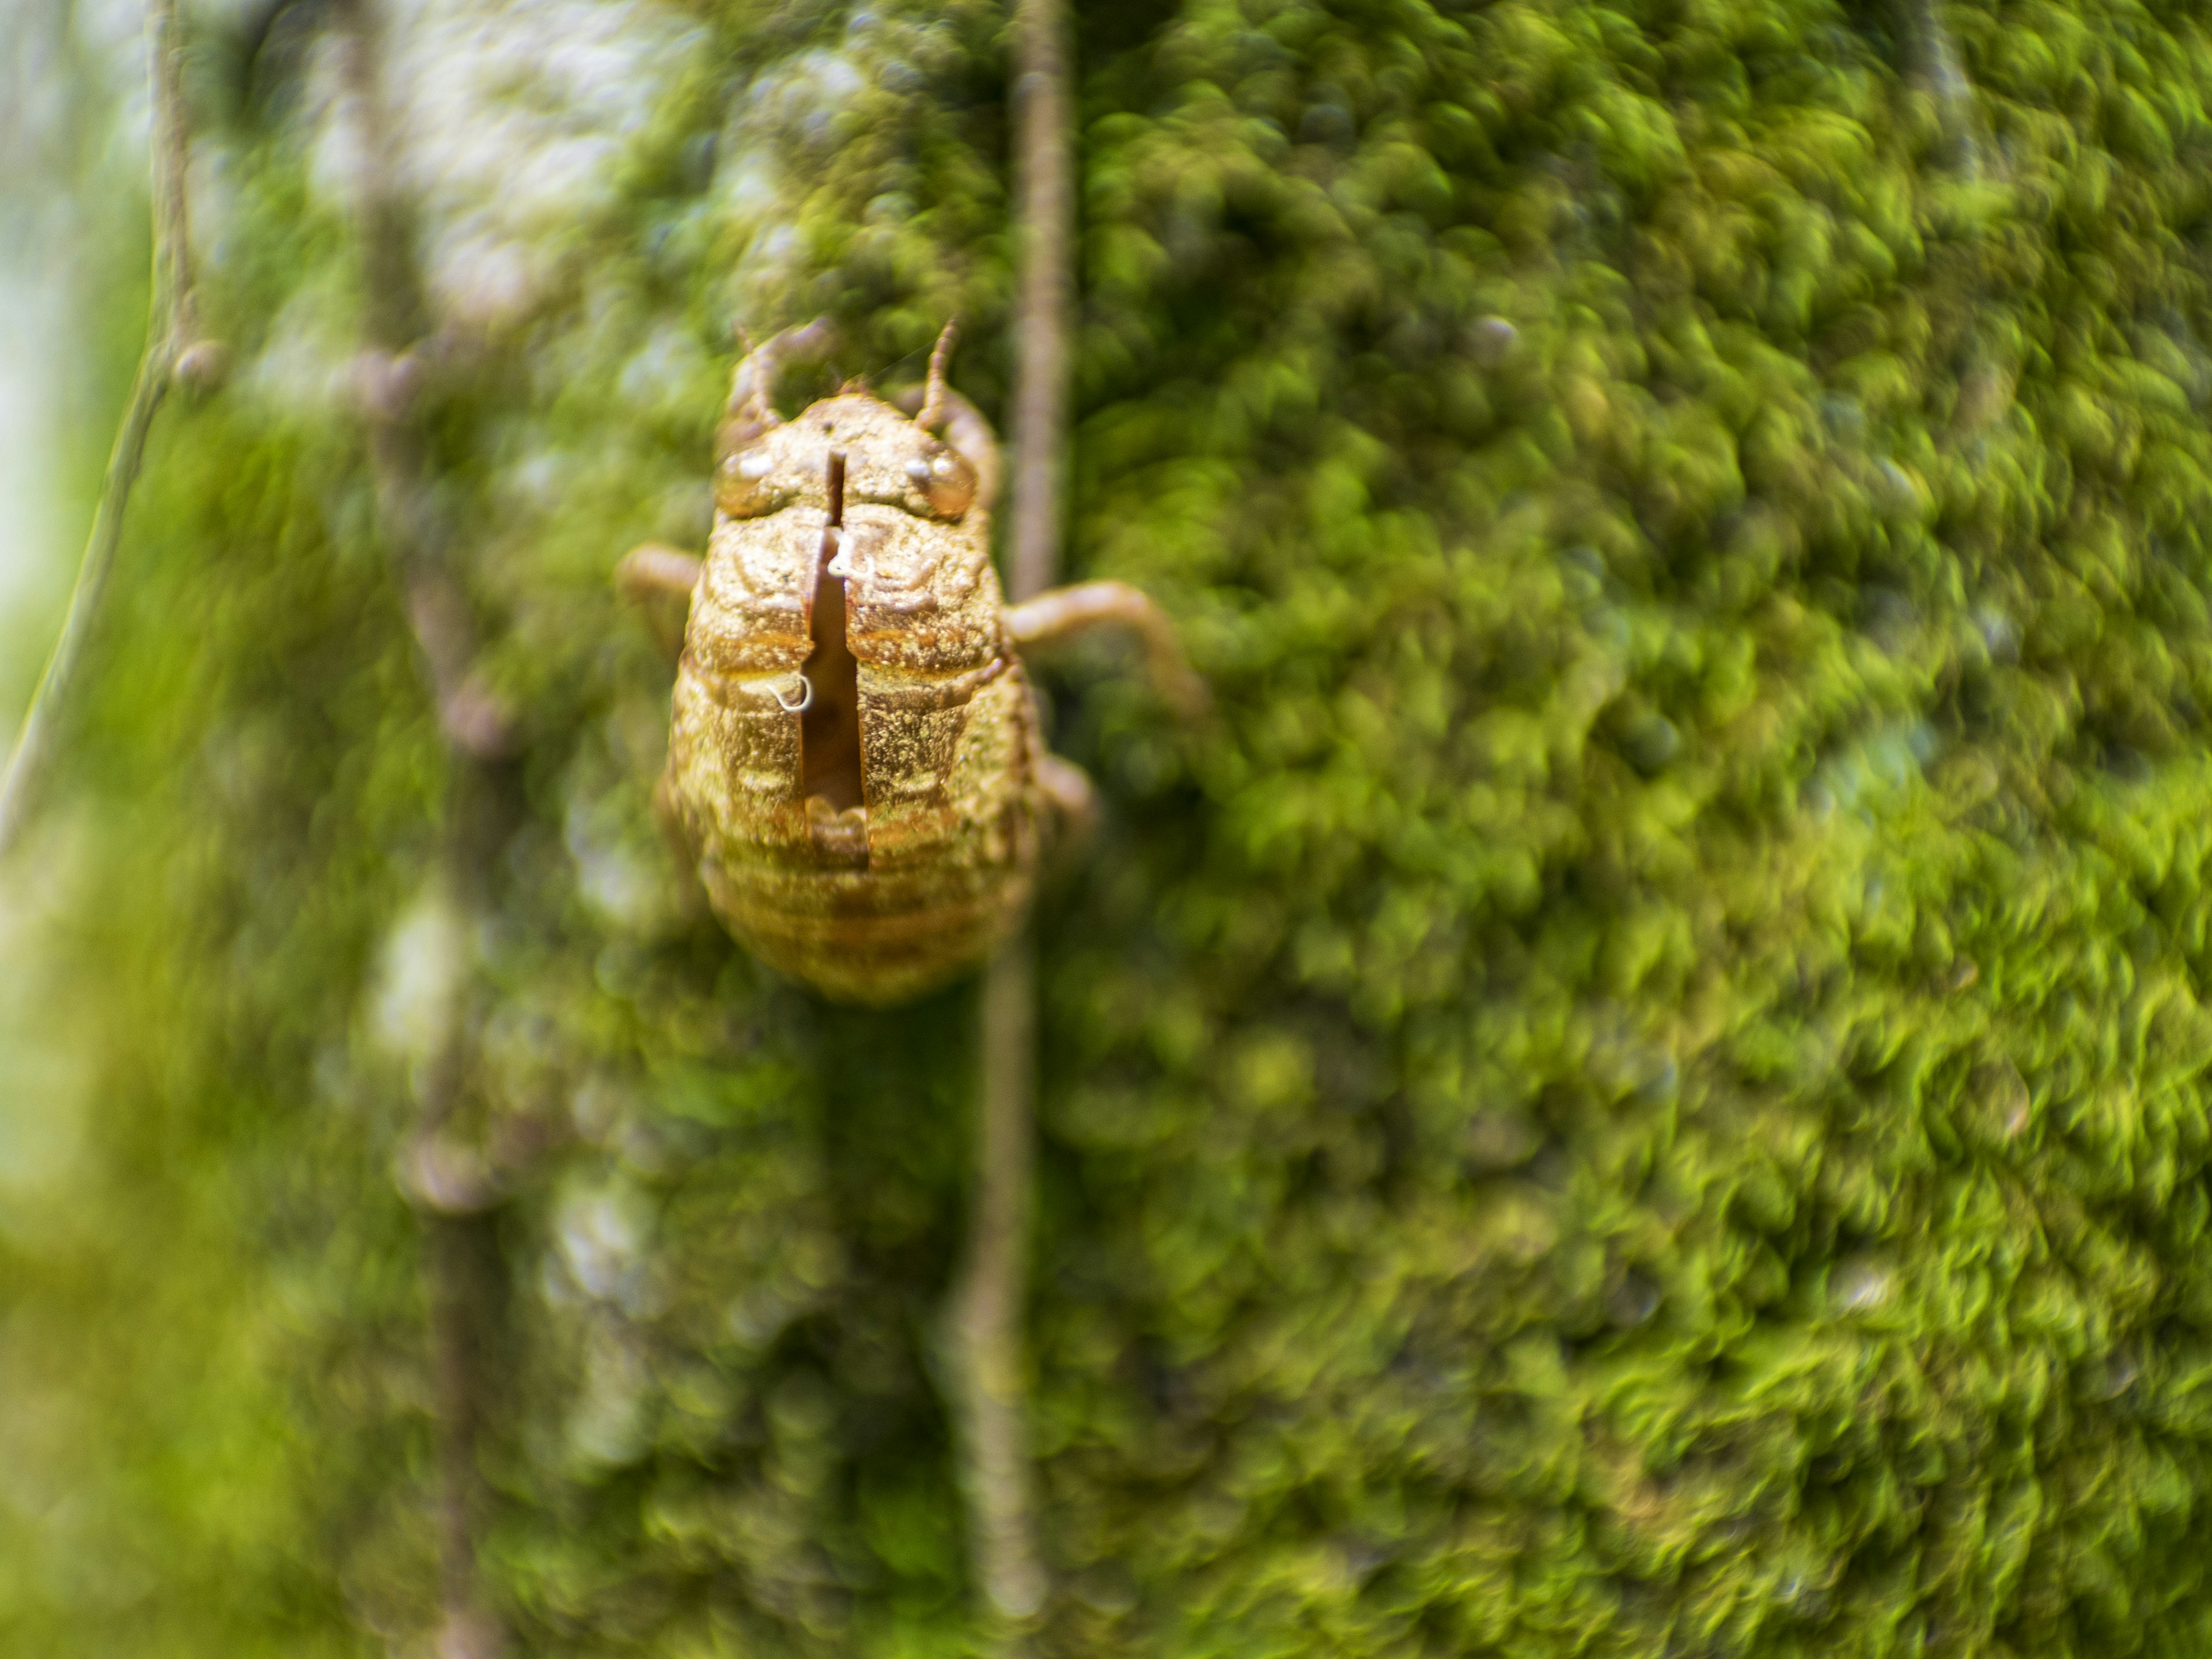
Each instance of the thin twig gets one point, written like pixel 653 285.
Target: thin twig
pixel 459 1246
pixel 1044 121
pixel 173 347
pixel 171 141
pixel 1936 63
pixel 402 354
pixel 991 1351
pixel 35 742
pixel 1987 386
pixel 987 1323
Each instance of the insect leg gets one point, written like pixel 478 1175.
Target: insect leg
pixel 656 569
pixel 657 572
pixel 1068 791
pixel 1066 613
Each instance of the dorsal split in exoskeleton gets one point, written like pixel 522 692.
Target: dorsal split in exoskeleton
pixel 855 767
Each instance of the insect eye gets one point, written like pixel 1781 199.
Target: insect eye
pixel 742 489
pixel 947 479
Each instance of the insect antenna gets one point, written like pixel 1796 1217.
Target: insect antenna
pixel 933 411
pixel 750 411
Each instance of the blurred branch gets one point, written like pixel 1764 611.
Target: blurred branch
pixel 1935 61
pixel 174 351
pixel 390 378
pixel 1044 148
pixel 987 1309
pixel 176 314
pixel 990 1350
pixel 1988 384
pixel 434 1171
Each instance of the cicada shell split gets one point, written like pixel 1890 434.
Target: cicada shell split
pixel 855 761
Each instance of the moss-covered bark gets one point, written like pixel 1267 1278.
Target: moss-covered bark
pixel 1643 1094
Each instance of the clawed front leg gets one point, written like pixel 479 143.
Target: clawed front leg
pixel 1066 613
pixel 658 571
pixel 657 568
pixel 1067 789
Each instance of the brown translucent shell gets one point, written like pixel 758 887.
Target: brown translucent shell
pixel 744 485
pixel 944 480
pixel 854 752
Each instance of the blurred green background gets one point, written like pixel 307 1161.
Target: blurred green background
pixel 1645 1091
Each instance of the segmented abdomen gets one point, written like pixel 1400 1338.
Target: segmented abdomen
pixel 919 883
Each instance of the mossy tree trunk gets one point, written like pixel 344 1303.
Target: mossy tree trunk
pixel 1643 1090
